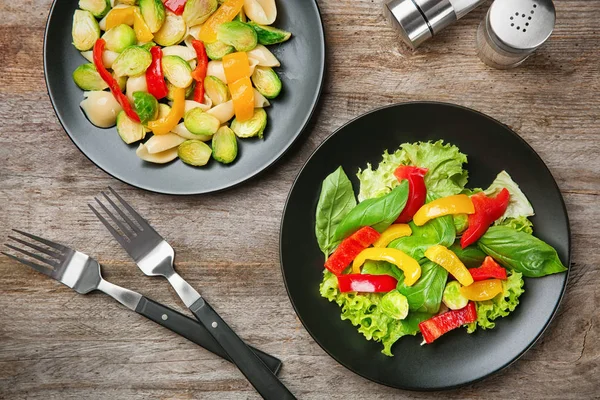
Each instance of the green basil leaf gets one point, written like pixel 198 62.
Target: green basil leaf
pixel 335 202
pixel 521 252
pixel 472 256
pixel 371 267
pixel 378 213
pixel 426 294
pixel 437 231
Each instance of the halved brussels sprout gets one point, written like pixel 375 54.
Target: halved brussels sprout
pixel 188 91
pixel 182 131
pixel 148 46
pixel 133 61
pixel 98 8
pixel 87 78
pixel 268 35
pixel 224 145
pixel 452 297
pixel 266 82
pixel 119 38
pixel 218 50
pixel 172 31
pixel 136 84
pixel 241 16
pixel 153 12
pixel 85 30
pixel 255 126
pixel 216 90
pixel 129 130
pixel 395 304
pixel 194 152
pixel 177 71
pixel 237 34
pixel 101 108
pixel 198 11
pixel 200 123
pixel 146 106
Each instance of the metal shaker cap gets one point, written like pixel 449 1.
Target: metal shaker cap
pixel 418 20
pixel 520 26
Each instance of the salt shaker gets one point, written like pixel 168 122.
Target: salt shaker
pixel 512 30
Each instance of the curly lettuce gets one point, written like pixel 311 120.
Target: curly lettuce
pixel 521 224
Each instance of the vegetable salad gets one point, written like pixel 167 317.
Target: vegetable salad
pixel 194 73
pixel 419 252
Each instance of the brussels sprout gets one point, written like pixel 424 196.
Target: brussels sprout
pixel 98 8
pixel 200 123
pixel 198 11
pixel 194 152
pixel 153 12
pixel 394 304
pixel 129 130
pixel 255 126
pixel 266 82
pixel 119 38
pixel 136 84
pixel 101 108
pixel 188 91
pixel 87 78
pixel 172 31
pixel 241 16
pixel 452 297
pixel 216 90
pixel 163 110
pixel 218 50
pixel 146 106
pixel 132 61
pixel 148 46
pixel 224 145
pixel 85 30
pixel 177 71
pixel 268 35
pixel 237 34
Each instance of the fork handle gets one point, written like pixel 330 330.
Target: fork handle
pixel 257 373
pixel 193 330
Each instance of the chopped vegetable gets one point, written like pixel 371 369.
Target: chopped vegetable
pixel 269 35
pixel 85 30
pixel 487 210
pixel 443 323
pixel 119 38
pixel 349 248
pixel 452 297
pixel 450 262
pixel 395 304
pixel 142 30
pixel 200 123
pixel 488 270
pixel 242 95
pixel 225 13
pixel 482 290
pixel 165 125
pixel 196 12
pixel 224 145
pixel 194 152
pixel 201 70
pixel 457 204
pixel 267 82
pixel 218 50
pixel 236 66
pixel 154 14
pixel 408 265
pixel 87 78
pixel 366 283
pixel 155 78
pixel 394 232
pixel 98 8
pixel 119 16
pixel 133 61
pixel 237 34
pixel 146 106
pixel 417 192
pixel 172 31
pixel 129 130
pixel 177 71
pixel 175 6
pixel 216 90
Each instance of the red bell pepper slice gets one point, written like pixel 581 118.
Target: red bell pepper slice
pixel 112 82
pixel 417 191
pixel 443 323
pixel 490 269
pixel 487 210
pixel 201 69
pixel 350 248
pixel 155 79
pixel 175 6
pixel 366 283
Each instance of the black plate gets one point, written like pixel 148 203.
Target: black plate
pixel 302 67
pixel 458 358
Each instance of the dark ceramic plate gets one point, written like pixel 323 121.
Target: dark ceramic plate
pixel 302 66
pixel 457 358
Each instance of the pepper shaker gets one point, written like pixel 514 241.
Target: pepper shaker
pixel 512 30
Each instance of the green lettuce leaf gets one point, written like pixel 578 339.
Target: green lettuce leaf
pixel 518 205
pixel 521 224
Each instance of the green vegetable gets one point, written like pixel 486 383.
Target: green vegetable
pixel 461 222
pixel 426 294
pixel 153 12
pixel 216 90
pixel 255 126
pixel 172 31
pixel 268 35
pixel 98 8
pixel 146 106
pixel 518 205
pixel 437 231
pixel 188 90
pixel 499 306
pixel 452 297
pixel 471 256
pixel 194 152
pixel 378 213
pixel 198 11
pixel 266 82
pixel 237 34
pixel 133 61
pixel 241 16
pixel 521 252
pixel 85 30
pixel 148 46
pixel 218 50
pixel 522 224
pixel 87 78
pixel 200 123
pixel 129 130
pixel 224 145
pixel 445 177
pixel 119 38
pixel 335 202
pixel 395 305
pixel 177 71
pixel 371 267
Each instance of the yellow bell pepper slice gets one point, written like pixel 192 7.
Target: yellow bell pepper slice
pixel 242 95
pixel 482 290
pixel 410 266
pixel 236 66
pixel 227 12
pixel 449 261
pixel 165 125
pixel 395 231
pixel 119 16
pixel 142 31
pixel 458 204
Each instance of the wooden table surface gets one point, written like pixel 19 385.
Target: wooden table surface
pixel 56 344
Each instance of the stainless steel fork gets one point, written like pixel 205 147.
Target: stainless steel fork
pixel 154 256
pixel 83 274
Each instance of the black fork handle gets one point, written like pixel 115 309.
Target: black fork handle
pixel 257 373
pixel 193 330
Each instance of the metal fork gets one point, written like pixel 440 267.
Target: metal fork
pixel 154 256
pixel 83 274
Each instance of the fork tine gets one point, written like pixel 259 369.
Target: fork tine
pixel 36 247
pixel 120 238
pixel 121 213
pixel 128 232
pixel 143 223
pixel 37 267
pixel 33 255
pixel 47 242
